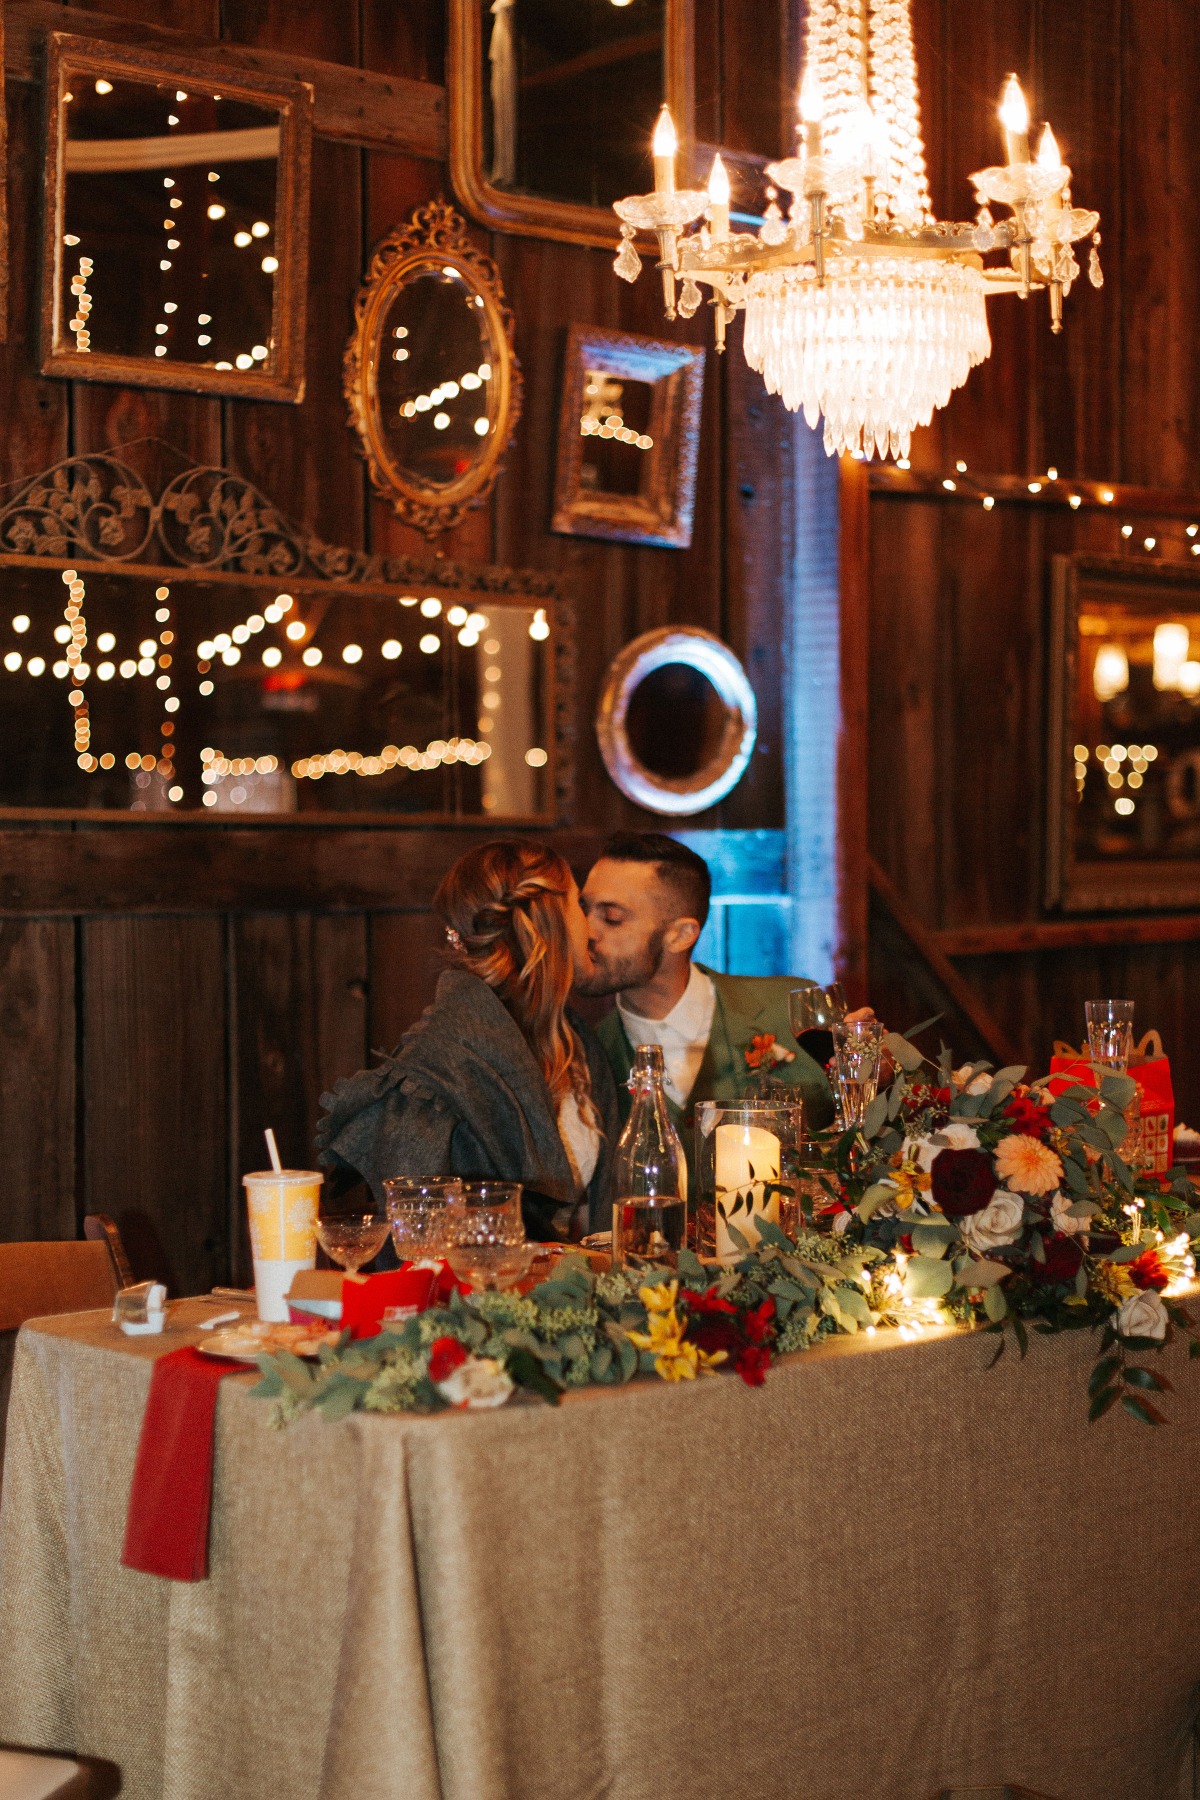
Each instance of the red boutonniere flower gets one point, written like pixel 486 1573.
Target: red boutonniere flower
pixel 765 1051
pixel 445 1355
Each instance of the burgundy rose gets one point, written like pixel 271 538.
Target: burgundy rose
pixel 715 1333
pixel 752 1364
pixel 1063 1257
pixel 963 1182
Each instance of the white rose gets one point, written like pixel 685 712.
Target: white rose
pixel 1060 1216
pixel 480 1381
pixel 998 1224
pixel 924 1152
pixel 1143 1315
pixel 979 1084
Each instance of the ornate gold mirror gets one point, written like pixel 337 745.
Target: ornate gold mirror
pixel 431 380
pixel 676 720
pixel 552 104
pixel 176 229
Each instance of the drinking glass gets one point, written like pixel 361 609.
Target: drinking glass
pixel 814 1011
pixel 418 1210
pixel 501 1196
pixel 352 1238
pixel 1110 1034
pixel 858 1048
pixel 486 1245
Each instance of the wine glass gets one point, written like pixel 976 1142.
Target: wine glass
pixel 502 1196
pixel 486 1244
pixel 858 1049
pixel 351 1239
pixel 813 1012
pixel 418 1210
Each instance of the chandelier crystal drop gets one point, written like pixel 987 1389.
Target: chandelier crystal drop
pixel 860 306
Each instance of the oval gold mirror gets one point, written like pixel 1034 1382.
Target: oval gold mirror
pixel 677 720
pixel 432 383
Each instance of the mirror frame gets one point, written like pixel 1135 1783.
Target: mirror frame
pixel 97 515
pixel 435 236
pixel 709 656
pixel 662 514
pixel 526 215
pixel 1093 884
pixel 71 56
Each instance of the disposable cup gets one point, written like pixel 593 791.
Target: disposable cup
pixel 283 1206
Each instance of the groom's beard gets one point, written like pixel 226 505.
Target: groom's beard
pixel 615 975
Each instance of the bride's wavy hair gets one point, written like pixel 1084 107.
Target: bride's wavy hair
pixel 505 909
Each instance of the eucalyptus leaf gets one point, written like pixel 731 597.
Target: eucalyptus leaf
pixel 927 1278
pixel 994 1304
pixel 934 1239
pixel 295 1375
pixel 916 1030
pixel 985 1273
pixel 852 1300
pixel 873 1199
pixel 1083 1209
pixel 875 1115
pixel 906 1055
pixel 1118 1090
pixel 768 1233
pixel 691 1269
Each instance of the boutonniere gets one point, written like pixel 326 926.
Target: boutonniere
pixel 765 1052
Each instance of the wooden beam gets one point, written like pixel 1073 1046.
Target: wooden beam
pixel 926 944
pixel 386 111
pixel 1067 934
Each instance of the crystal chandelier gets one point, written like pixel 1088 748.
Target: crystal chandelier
pixel 860 306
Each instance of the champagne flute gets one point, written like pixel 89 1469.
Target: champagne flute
pixel 858 1048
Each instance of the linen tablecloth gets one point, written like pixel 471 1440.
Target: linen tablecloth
pixel 886 1572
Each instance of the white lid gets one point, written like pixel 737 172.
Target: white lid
pixel 285 1175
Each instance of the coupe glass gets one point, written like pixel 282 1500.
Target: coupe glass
pixel 351 1239
pixel 858 1050
pixel 487 1245
pixel 418 1210
pixel 1110 1034
pixel 814 1011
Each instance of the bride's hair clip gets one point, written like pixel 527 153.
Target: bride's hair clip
pixel 452 938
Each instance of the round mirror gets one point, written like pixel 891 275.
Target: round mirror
pixel 676 720
pixel 432 383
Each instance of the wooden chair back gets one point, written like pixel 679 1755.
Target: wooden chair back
pixel 48 1775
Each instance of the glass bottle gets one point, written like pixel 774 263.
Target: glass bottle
pixel 650 1173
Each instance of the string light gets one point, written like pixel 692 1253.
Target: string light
pixel 445 392
pixel 78 325
pixel 352 762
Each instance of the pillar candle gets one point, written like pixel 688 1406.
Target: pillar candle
pixel 744 1155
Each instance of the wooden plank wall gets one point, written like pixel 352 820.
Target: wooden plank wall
pixel 166 990
pixel 960 596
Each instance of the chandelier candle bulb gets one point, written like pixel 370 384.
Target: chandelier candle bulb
pixel 664 147
pixel 718 195
pixel 812 112
pixel 1014 117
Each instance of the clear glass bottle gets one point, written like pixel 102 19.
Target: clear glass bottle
pixel 650 1173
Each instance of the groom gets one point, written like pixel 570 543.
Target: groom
pixel 646 900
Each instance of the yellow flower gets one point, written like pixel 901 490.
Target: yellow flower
pixel 675 1359
pixel 659 1299
pixel 1026 1165
pixel 911 1184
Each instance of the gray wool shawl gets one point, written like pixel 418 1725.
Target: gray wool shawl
pixel 462 1094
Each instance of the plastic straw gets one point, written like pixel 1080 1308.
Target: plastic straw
pixel 273 1151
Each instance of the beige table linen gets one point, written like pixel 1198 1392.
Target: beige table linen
pixel 886 1572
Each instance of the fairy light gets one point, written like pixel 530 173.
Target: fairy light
pixel 78 325
pixel 441 752
pixel 539 626
pixel 445 392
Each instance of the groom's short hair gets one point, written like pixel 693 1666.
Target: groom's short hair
pixel 678 868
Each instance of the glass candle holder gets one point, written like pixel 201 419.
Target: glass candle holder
pixel 750 1159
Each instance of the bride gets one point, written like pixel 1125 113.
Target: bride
pixel 498 1077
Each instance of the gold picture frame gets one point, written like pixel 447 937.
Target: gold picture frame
pixel 280 373
pixel 433 243
pixel 528 215
pixel 661 508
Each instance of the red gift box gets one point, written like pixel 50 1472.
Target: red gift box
pixel 371 1303
pixel 1151 1070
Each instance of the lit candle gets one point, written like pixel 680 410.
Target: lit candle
pixel 664 146
pixel 718 201
pixel 1014 117
pixel 1048 158
pixel 812 111
pixel 745 1157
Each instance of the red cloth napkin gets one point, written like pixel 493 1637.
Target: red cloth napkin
pixel 166 1527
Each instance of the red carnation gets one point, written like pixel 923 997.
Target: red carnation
pixel 759 1325
pixel 445 1355
pixel 752 1364
pixel 1026 1116
pixel 963 1182
pixel 1148 1271
pixel 707 1303
pixel 1063 1257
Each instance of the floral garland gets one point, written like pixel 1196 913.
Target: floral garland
pixel 966 1196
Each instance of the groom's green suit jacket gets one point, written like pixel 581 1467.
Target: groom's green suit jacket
pixel 747 1007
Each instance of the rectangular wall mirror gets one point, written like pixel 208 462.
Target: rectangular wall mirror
pixel 195 658
pixel 552 105
pixel 628 438
pixel 176 230
pixel 1124 782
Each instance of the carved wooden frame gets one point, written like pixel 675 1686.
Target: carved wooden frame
pixel 1093 885
pixel 435 237
pixel 524 214
pixel 95 514
pixel 662 512
pixel 281 377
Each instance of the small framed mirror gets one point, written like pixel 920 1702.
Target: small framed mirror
pixel 1124 767
pixel 677 720
pixel 552 106
pixel 431 379
pixel 176 231
pixel 628 438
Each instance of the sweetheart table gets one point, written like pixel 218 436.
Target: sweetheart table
pixel 886 1572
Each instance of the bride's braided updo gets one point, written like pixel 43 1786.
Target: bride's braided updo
pixel 504 905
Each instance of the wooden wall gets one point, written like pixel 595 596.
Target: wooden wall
pixel 959 597
pixel 167 989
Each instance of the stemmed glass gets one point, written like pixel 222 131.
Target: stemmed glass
pixel 351 1239
pixel 418 1210
pixel 813 1012
pixel 486 1244
pixel 858 1049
